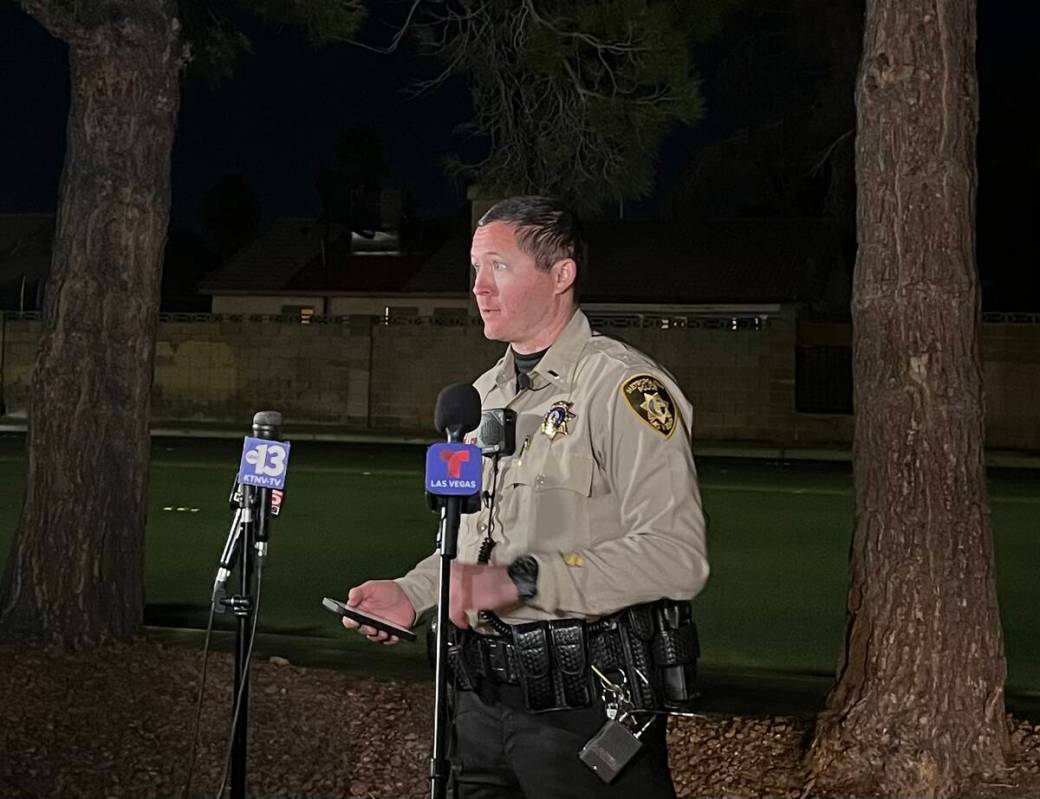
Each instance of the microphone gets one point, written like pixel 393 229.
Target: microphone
pixel 457 410
pixel 258 491
pixel 267 425
pixel 456 413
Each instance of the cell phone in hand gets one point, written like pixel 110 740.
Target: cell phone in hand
pixel 365 618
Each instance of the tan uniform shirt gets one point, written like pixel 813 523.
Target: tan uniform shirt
pixel 602 492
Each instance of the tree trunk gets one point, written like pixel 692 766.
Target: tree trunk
pixel 918 707
pixel 75 573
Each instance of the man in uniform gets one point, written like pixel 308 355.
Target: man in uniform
pixel 597 511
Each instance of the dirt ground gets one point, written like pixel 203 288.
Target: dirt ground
pixel 118 722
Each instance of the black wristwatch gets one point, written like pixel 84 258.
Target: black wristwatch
pixel 524 573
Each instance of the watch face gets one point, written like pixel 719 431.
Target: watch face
pixel 524 573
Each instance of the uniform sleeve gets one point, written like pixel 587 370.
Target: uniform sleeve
pixel 421 583
pixel 648 457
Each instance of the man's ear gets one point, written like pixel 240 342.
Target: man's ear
pixel 565 273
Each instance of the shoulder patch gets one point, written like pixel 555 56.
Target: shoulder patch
pixel 651 402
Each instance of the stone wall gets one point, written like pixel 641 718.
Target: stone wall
pixel 19 339
pixel 1011 362
pixel 413 362
pixel 741 382
pixel 359 374
pixel 226 370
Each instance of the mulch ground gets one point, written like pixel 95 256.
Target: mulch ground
pixel 117 722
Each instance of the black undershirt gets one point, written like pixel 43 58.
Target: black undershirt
pixel 524 364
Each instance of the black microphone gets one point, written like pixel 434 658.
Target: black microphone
pixel 457 411
pixel 267 425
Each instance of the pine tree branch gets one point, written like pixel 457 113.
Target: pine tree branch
pixel 399 34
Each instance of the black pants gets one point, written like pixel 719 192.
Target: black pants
pixel 503 752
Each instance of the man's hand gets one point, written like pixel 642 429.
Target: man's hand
pixel 479 586
pixel 383 598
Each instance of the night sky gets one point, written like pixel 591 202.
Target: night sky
pixel 273 122
pixel 277 120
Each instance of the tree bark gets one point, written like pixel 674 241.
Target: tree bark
pixel 918 707
pixel 75 573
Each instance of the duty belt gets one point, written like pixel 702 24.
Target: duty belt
pixel 551 660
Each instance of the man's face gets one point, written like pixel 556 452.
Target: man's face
pixel 517 301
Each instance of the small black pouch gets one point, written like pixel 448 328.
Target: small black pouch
pixel 678 646
pixel 637 631
pixel 573 678
pixel 535 661
pixel 605 649
pixel 499 661
pixel 640 619
pixel 675 651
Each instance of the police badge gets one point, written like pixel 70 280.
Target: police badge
pixel 555 421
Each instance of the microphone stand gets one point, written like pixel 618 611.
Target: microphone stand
pixel 238 550
pixel 447 540
pixel 457 412
pixel 249 533
pixel 254 541
pixel 243 608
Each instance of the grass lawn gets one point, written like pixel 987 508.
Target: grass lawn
pixel 778 540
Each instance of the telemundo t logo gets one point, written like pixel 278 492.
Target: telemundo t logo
pixel 453 470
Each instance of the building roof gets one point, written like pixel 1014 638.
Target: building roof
pixel 294 255
pixel 723 261
pixel 272 259
pixel 730 261
pixel 344 272
pixel 445 270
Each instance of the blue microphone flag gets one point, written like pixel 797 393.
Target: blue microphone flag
pixel 264 463
pixel 453 470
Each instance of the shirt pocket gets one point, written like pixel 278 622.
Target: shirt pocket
pixel 565 470
pixel 543 464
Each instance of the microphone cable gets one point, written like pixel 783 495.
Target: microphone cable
pixel 202 693
pixel 197 725
pixel 489 616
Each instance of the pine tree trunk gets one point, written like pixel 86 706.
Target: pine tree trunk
pixel 918 708
pixel 75 573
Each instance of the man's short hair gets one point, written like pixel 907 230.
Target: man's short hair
pixel 546 229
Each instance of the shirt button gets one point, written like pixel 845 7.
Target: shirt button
pixel 482 527
pixel 540 481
